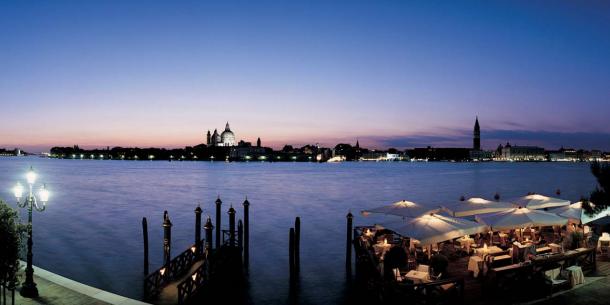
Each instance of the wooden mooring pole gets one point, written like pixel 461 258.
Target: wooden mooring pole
pixel 297 244
pixel 240 234
pixel 208 235
pixel 246 234
pixel 291 253
pixel 231 226
pixel 218 223
pixel 145 235
pixel 167 240
pixel 198 245
pixel 348 246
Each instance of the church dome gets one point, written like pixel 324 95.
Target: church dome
pixel 227 136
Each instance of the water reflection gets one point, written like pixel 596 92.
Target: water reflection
pixel 91 231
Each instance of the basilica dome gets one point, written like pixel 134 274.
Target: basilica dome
pixel 227 137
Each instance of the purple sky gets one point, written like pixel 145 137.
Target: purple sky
pixel 392 74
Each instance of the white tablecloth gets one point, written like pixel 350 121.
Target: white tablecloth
pixel 418 277
pixel 602 238
pixel 381 248
pixel 555 248
pixel 474 264
pixel 465 243
pixel 575 275
pixel 490 250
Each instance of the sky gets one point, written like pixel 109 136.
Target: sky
pixel 388 73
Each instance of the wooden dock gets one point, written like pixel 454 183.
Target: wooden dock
pixel 200 270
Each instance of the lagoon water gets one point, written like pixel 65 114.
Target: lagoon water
pixel 91 230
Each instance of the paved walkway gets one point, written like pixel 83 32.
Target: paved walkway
pixel 595 293
pixel 55 289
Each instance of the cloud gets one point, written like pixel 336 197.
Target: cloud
pixel 551 139
pixel 492 138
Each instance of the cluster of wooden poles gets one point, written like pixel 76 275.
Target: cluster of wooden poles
pixel 242 240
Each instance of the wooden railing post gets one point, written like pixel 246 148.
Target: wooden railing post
pixel 231 226
pixel 218 223
pixel 246 234
pixel 198 212
pixel 145 235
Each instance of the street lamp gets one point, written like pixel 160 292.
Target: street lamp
pixel 28 289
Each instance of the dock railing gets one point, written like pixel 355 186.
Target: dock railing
pixel 191 285
pixel 226 238
pixel 178 266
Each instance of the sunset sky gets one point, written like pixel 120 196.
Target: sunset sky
pixel 391 74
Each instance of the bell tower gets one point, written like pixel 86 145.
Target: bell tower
pixel 476 141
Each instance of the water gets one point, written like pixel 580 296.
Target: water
pixel 91 230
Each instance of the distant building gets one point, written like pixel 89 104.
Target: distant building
pixel 381 156
pixel 563 154
pixel 522 153
pixel 226 138
pixel 439 154
pixel 248 153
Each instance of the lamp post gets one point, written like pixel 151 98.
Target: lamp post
pixel 28 288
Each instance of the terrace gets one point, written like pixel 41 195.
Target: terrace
pixel 504 268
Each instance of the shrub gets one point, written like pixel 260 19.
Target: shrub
pixel 11 233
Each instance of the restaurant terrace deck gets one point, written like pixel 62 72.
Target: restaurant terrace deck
pixel 511 282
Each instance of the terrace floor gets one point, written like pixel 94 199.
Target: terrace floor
pixel 596 287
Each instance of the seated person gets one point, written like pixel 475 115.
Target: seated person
pixel 541 240
pixel 396 257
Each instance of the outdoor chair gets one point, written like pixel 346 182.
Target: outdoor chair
pixel 555 280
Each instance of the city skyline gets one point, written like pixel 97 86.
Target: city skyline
pixel 457 141
pixel 102 74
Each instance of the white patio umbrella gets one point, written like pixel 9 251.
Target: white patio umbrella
pixel 537 201
pixel 576 212
pixel 518 218
pixel 434 228
pixel 402 208
pixel 476 206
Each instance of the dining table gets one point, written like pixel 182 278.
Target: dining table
pixel 475 264
pixel 604 238
pixel 465 242
pixel 489 250
pixel 418 277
